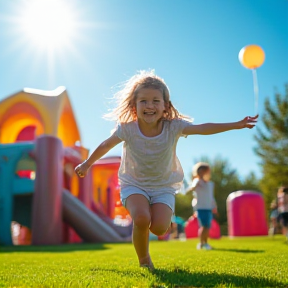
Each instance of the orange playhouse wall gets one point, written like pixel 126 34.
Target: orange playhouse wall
pixel 105 181
pixel 48 112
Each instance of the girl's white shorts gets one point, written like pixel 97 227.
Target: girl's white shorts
pixel 159 195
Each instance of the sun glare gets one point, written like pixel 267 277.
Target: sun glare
pixel 49 24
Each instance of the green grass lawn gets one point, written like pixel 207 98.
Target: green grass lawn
pixel 247 262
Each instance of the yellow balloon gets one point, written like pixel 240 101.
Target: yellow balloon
pixel 251 56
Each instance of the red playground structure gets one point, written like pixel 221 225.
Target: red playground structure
pixel 192 227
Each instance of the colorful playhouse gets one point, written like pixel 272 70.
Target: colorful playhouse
pixel 40 145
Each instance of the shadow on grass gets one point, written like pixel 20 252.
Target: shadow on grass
pixel 122 273
pixel 53 248
pixel 181 278
pixel 239 250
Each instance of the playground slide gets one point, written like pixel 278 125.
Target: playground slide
pixel 89 226
pixel 123 231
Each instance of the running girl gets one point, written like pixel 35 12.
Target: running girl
pixel 150 172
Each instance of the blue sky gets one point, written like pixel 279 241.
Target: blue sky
pixel 192 44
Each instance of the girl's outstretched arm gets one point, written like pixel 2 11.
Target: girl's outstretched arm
pixel 213 128
pixel 100 151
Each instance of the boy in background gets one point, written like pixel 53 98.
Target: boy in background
pixel 203 192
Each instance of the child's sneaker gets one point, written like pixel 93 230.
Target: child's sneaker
pixel 199 246
pixel 206 246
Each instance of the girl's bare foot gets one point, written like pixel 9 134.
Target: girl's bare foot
pixel 146 262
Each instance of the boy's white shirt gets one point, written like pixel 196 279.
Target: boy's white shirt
pixel 204 193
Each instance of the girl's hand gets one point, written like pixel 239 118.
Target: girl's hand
pixel 248 122
pixel 82 169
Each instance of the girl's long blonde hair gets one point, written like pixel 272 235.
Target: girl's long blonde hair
pixel 125 98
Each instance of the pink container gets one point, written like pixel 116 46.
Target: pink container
pixel 246 214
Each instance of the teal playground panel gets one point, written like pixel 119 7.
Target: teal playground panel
pixel 16 193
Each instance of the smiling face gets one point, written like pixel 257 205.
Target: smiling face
pixel 150 105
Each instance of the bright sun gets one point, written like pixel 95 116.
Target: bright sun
pixel 50 24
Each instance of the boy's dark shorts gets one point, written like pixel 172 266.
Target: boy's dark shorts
pixel 204 218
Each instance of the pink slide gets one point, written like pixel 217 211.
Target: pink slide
pixel 89 226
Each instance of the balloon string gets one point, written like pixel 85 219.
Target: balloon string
pixel 256 90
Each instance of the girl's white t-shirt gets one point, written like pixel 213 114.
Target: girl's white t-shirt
pixel 151 162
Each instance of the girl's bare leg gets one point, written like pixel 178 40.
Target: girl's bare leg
pixel 139 209
pixel 160 218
